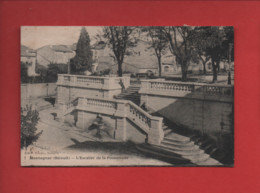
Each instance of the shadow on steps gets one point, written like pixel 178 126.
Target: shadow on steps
pixel 164 155
pixel 224 155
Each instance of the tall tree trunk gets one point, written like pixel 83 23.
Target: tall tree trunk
pixel 215 72
pixel 120 72
pixel 218 66
pixel 184 72
pixel 204 67
pixel 160 66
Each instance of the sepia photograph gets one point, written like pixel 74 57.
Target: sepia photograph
pixel 127 96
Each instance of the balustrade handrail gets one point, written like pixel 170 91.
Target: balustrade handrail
pixel 143 111
pixel 130 110
pixel 119 102
pixel 187 83
pixel 206 89
pixel 91 77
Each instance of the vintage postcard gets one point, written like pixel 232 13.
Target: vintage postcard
pixel 127 96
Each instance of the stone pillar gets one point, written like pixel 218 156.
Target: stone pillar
pixel 108 82
pixel 80 121
pixel 60 79
pixel 120 132
pixel 156 134
pixel 145 84
pixel 121 113
pixel 106 94
pixel 61 111
pixel 73 80
pixel 121 109
pixel 82 102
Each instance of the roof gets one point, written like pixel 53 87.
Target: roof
pixel 99 45
pixel 61 48
pixel 73 47
pixel 27 52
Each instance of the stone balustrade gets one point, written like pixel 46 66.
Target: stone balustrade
pixel 92 81
pixel 186 89
pixel 141 115
pixel 151 125
pixel 74 86
pixel 101 103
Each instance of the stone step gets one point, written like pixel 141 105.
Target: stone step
pixel 178 143
pixel 128 95
pixel 132 96
pixel 174 136
pixel 179 146
pixel 164 127
pixel 135 85
pixel 167 131
pixel 209 162
pixel 210 148
pixel 133 88
pixel 180 150
pixel 194 156
pixel 164 155
pixel 197 157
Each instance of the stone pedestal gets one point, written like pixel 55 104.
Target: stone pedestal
pixel 156 134
pixel 120 132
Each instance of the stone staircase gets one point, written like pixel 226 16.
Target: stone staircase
pixel 175 148
pixel 179 150
pixel 131 93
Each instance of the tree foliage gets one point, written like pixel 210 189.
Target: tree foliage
pixel 119 38
pixel 50 74
pixel 29 120
pixel 83 58
pixel 214 42
pixel 159 43
pixel 24 72
pixel 54 69
pixel 180 41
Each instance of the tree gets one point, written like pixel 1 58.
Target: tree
pixel 24 72
pixel 29 120
pixel 118 37
pixel 180 40
pixel 159 43
pixel 203 56
pixel 83 58
pixel 213 41
pixel 228 43
pixel 54 69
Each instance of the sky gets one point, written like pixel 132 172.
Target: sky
pixel 37 36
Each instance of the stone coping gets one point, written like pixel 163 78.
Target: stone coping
pixel 93 77
pixel 187 83
pixel 124 102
